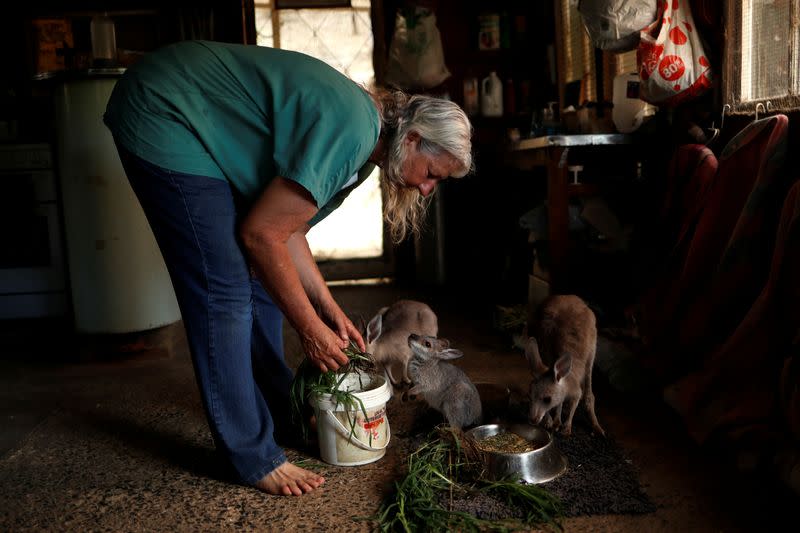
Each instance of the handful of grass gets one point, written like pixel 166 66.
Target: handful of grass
pixel 444 468
pixel 309 381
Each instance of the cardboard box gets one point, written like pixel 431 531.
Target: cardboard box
pixel 51 38
pixel 538 290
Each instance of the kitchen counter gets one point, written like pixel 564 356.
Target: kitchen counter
pixel 78 74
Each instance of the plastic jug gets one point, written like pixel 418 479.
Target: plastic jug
pixel 629 110
pixel 104 40
pixel 491 96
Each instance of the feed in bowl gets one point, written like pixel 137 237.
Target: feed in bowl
pixel 506 442
pixel 525 452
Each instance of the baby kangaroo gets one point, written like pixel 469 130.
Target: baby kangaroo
pixel 445 387
pixel 387 335
pixel 561 353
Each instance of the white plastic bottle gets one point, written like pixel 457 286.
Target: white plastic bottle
pixel 491 96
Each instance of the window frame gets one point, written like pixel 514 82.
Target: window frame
pixel 310 4
pixel 275 16
pixel 732 67
pixel 372 268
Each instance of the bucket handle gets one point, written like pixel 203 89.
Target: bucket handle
pixel 345 432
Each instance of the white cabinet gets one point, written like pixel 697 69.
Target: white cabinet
pixel 118 279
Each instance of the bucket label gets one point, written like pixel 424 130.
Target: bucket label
pixel 363 444
pixel 373 422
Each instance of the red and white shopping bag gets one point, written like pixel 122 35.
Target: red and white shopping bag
pixel 673 66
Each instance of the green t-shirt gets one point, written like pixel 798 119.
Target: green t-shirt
pixel 246 114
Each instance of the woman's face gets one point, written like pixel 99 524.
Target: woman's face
pixel 423 171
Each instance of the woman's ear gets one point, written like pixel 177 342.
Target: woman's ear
pixel 412 137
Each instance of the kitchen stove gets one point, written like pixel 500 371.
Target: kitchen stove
pixel 32 271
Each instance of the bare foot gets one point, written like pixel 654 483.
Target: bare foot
pixel 288 480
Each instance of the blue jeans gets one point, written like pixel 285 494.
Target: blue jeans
pixel 234 329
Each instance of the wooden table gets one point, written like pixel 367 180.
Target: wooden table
pixel 552 152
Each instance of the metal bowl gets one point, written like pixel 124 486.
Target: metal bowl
pixel 539 465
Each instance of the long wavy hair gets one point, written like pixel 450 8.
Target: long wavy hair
pixel 442 127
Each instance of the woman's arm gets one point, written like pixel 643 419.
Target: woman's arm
pixel 318 292
pixel 281 212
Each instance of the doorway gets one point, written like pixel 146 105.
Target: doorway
pixel 349 243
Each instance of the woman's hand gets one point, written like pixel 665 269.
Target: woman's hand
pixel 341 324
pixel 325 349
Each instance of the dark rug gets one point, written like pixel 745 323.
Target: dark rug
pixel 600 479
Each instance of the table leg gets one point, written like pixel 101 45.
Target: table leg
pixel 557 216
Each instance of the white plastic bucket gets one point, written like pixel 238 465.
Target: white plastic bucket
pixel 346 436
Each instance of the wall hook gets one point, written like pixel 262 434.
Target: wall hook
pixel 714 134
pixel 761 105
pixel 714 130
pixel 722 117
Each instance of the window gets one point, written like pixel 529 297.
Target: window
pixel 762 56
pixel 575 51
pixel 578 64
pixel 342 37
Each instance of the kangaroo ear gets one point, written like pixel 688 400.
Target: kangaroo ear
pixel 562 367
pixel 450 353
pixel 361 324
pixel 534 358
pixel 374 328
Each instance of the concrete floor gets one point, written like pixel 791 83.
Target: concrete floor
pixel 115 440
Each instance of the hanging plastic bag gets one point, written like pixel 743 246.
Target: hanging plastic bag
pixel 416 58
pixel 615 25
pixel 673 66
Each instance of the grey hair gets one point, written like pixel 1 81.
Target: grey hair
pixel 442 126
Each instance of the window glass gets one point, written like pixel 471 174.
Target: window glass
pixel 763 54
pixel 342 37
